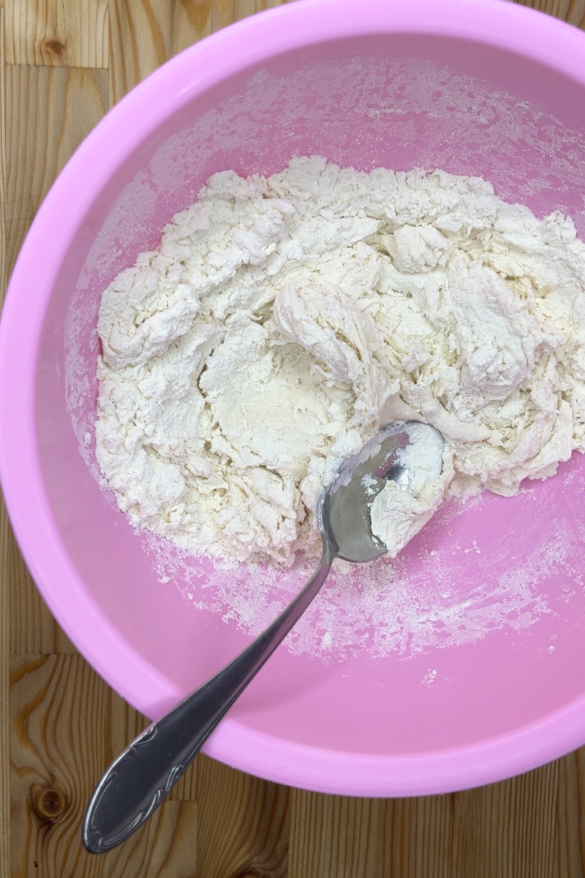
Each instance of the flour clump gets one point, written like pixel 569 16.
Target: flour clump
pixel 281 321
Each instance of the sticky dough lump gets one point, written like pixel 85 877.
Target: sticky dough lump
pixel 281 321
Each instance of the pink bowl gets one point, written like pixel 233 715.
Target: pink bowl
pixel 487 680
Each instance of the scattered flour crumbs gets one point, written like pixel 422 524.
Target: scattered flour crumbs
pixel 281 321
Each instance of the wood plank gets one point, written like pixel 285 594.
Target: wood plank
pixel 67 725
pixel 49 111
pixel 57 33
pixel 143 35
pixel 227 11
pixel 242 824
pixel 167 849
pixel 570 818
pixel 335 836
pixel 572 11
pixel 508 829
pixel 503 830
pixel 417 838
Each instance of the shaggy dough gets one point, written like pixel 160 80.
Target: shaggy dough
pixel 281 321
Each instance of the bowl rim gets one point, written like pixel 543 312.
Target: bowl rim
pixel 497 23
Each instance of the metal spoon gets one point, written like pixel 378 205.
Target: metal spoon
pixel 140 778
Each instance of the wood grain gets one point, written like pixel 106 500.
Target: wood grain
pixel 507 829
pixel 571 11
pixel 418 836
pixel 57 33
pixel 145 35
pixel 49 111
pixel 227 11
pixel 511 829
pixel 242 824
pixel 335 836
pixel 67 726
pixel 32 628
pixel 571 815
pixel 66 723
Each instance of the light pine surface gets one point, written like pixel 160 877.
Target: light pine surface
pixel 63 64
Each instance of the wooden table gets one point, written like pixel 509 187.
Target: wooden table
pixel 64 63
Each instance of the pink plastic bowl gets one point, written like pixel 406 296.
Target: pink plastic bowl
pixel 484 87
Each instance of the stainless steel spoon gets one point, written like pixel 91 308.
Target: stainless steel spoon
pixel 140 778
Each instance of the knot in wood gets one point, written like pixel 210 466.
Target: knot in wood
pixel 56 48
pixel 49 803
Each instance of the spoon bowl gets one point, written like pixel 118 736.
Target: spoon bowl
pixel 344 510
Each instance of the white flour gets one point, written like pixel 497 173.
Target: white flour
pixel 281 321
pixel 405 505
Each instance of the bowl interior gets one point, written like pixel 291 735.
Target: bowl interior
pixel 485 632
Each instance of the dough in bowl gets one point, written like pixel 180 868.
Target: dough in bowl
pixel 281 321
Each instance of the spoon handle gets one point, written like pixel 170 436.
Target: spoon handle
pixel 139 779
